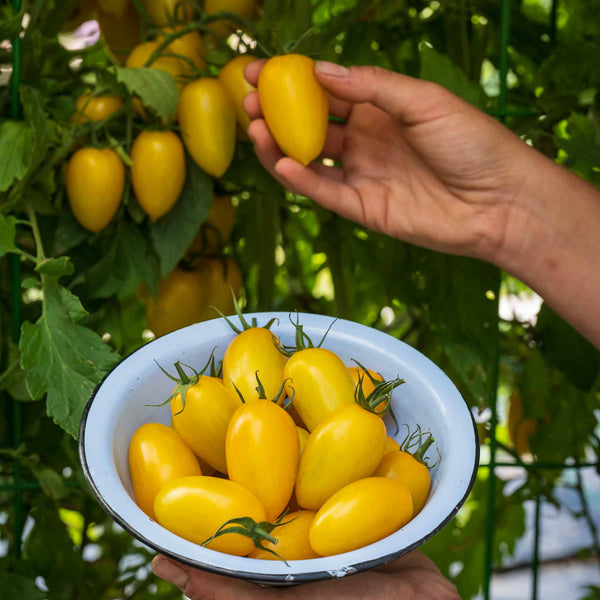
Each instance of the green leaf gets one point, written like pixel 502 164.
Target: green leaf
pixel 440 69
pixel 11 22
pixel 14 586
pixel 8 232
pixel 156 89
pixel 56 267
pixel 123 266
pixel 65 360
pixel 567 350
pixel 173 234
pixel 16 140
pixel 53 484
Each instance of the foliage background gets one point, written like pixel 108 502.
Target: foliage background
pixel 293 256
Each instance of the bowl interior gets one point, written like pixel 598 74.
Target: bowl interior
pixel 119 406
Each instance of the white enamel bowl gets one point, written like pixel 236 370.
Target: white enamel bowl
pixel 428 398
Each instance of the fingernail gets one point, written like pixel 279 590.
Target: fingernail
pixel 170 572
pixel 330 68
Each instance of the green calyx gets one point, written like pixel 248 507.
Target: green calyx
pixel 381 394
pixel 184 381
pixel 257 532
pixel 262 394
pixel 243 321
pixel 417 444
pixel 303 340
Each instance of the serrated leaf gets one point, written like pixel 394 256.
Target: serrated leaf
pixel 173 234
pixel 122 268
pixel 13 585
pixel 155 88
pixel 440 69
pixel 43 129
pixel 55 267
pixel 16 140
pixel 65 360
pixel 8 232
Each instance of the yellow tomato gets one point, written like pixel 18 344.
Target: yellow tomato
pixel 120 32
pixel 95 108
pixel 262 450
pixel 189 46
pixel 220 278
pixel 292 539
pixel 215 231
pixel 179 302
pixel 242 8
pixel 321 383
pixel 254 350
pixel 367 385
pixel 203 422
pixel 294 105
pixel 207 120
pixel 303 437
pixel 114 7
pixel 204 466
pixel 95 180
pixel 391 445
pixel 405 468
pixel 520 428
pixel 163 11
pixel 232 77
pixel 363 512
pixel 346 446
pixel 195 507
pixel 158 171
pixel 141 54
pixel 157 455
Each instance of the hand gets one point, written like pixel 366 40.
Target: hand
pixel 417 162
pixel 422 165
pixel 409 577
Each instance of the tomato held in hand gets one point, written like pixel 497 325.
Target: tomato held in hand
pixel 359 514
pixel 195 507
pixel 254 350
pixel 321 384
pixel 405 468
pixel 180 302
pixel 95 180
pixel 292 539
pixel 207 120
pixel 95 108
pixel 262 451
pixel 346 446
pixel 232 77
pixel 157 455
pixel 203 422
pixel 158 171
pixel 294 105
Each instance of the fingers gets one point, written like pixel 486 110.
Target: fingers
pixel 411 100
pixel 200 585
pixel 252 71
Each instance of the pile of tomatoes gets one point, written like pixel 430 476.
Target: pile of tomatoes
pixel 283 456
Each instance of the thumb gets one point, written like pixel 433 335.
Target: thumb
pixel 411 100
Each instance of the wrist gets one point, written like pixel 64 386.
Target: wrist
pixel 552 242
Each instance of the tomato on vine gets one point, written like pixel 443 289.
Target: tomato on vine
pixel 157 172
pixel 95 108
pixel 95 181
pixel 232 77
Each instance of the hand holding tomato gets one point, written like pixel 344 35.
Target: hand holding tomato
pixel 412 576
pixel 420 164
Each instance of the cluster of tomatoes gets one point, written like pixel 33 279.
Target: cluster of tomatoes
pixel 285 455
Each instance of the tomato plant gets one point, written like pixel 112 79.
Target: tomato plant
pixel 232 77
pixel 95 108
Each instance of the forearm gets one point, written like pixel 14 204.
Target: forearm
pixel 553 242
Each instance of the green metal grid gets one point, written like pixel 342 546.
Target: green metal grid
pixel 18 485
